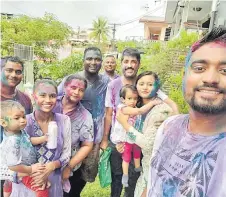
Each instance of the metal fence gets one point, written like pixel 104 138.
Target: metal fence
pixel 24 52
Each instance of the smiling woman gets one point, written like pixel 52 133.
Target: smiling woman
pixel 45 92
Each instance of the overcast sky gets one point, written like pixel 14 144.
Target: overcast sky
pixel 82 13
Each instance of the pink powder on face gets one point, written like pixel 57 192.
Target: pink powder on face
pixel 214 44
pixel 46 88
pixel 76 83
pixel 217 44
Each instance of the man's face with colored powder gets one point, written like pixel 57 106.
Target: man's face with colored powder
pixel 12 74
pixel 92 61
pixel 205 79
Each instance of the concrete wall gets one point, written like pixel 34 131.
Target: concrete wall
pixel 146 32
pixel 220 18
pixel 162 35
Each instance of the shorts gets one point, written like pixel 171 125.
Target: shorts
pixel 89 168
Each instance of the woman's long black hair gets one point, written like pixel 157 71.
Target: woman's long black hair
pixel 156 86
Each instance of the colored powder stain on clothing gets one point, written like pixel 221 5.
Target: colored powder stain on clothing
pixel 140 122
pixel 184 163
pixel 131 136
pixel 93 101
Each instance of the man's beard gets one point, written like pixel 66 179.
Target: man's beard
pixel 207 108
pixel 130 76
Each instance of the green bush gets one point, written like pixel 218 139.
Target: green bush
pixel 121 45
pixel 59 69
pixel 176 93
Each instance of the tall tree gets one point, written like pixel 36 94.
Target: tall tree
pixel 100 30
pixel 41 33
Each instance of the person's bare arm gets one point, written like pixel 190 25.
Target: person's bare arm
pixel 107 127
pixel 82 153
pixel 21 168
pixel 139 111
pixel 38 140
pixel 173 105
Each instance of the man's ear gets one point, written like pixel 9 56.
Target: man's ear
pixel 3 123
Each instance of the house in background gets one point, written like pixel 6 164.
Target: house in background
pixel 155 28
pixel 81 37
pixel 193 15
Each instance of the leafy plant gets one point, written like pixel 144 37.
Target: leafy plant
pixel 176 92
pixel 121 45
pixel 41 33
pixel 100 30
pixel 59 69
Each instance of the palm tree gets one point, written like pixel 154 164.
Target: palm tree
pixel 100 30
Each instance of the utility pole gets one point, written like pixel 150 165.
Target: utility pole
pixel 213 14
pixel 78 33
pixel 113 34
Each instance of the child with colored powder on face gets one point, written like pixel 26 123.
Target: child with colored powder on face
pixel 17 152
pixel 129 99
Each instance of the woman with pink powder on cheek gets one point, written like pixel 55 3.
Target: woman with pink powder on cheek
pixel 82 134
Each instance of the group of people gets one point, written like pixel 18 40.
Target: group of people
pixel 174 155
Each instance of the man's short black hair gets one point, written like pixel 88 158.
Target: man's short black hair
pixel 14 59
pixel 132 53
pixel 91 49
pixel 218 34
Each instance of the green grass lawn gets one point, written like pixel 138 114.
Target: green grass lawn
pixel 95 190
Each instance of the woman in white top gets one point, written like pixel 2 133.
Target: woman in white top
pixel 147 84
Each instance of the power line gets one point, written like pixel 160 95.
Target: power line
pixel 130 21
pixel 113 35
pixel 19 9
pixel 114 29
pixel 137 18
